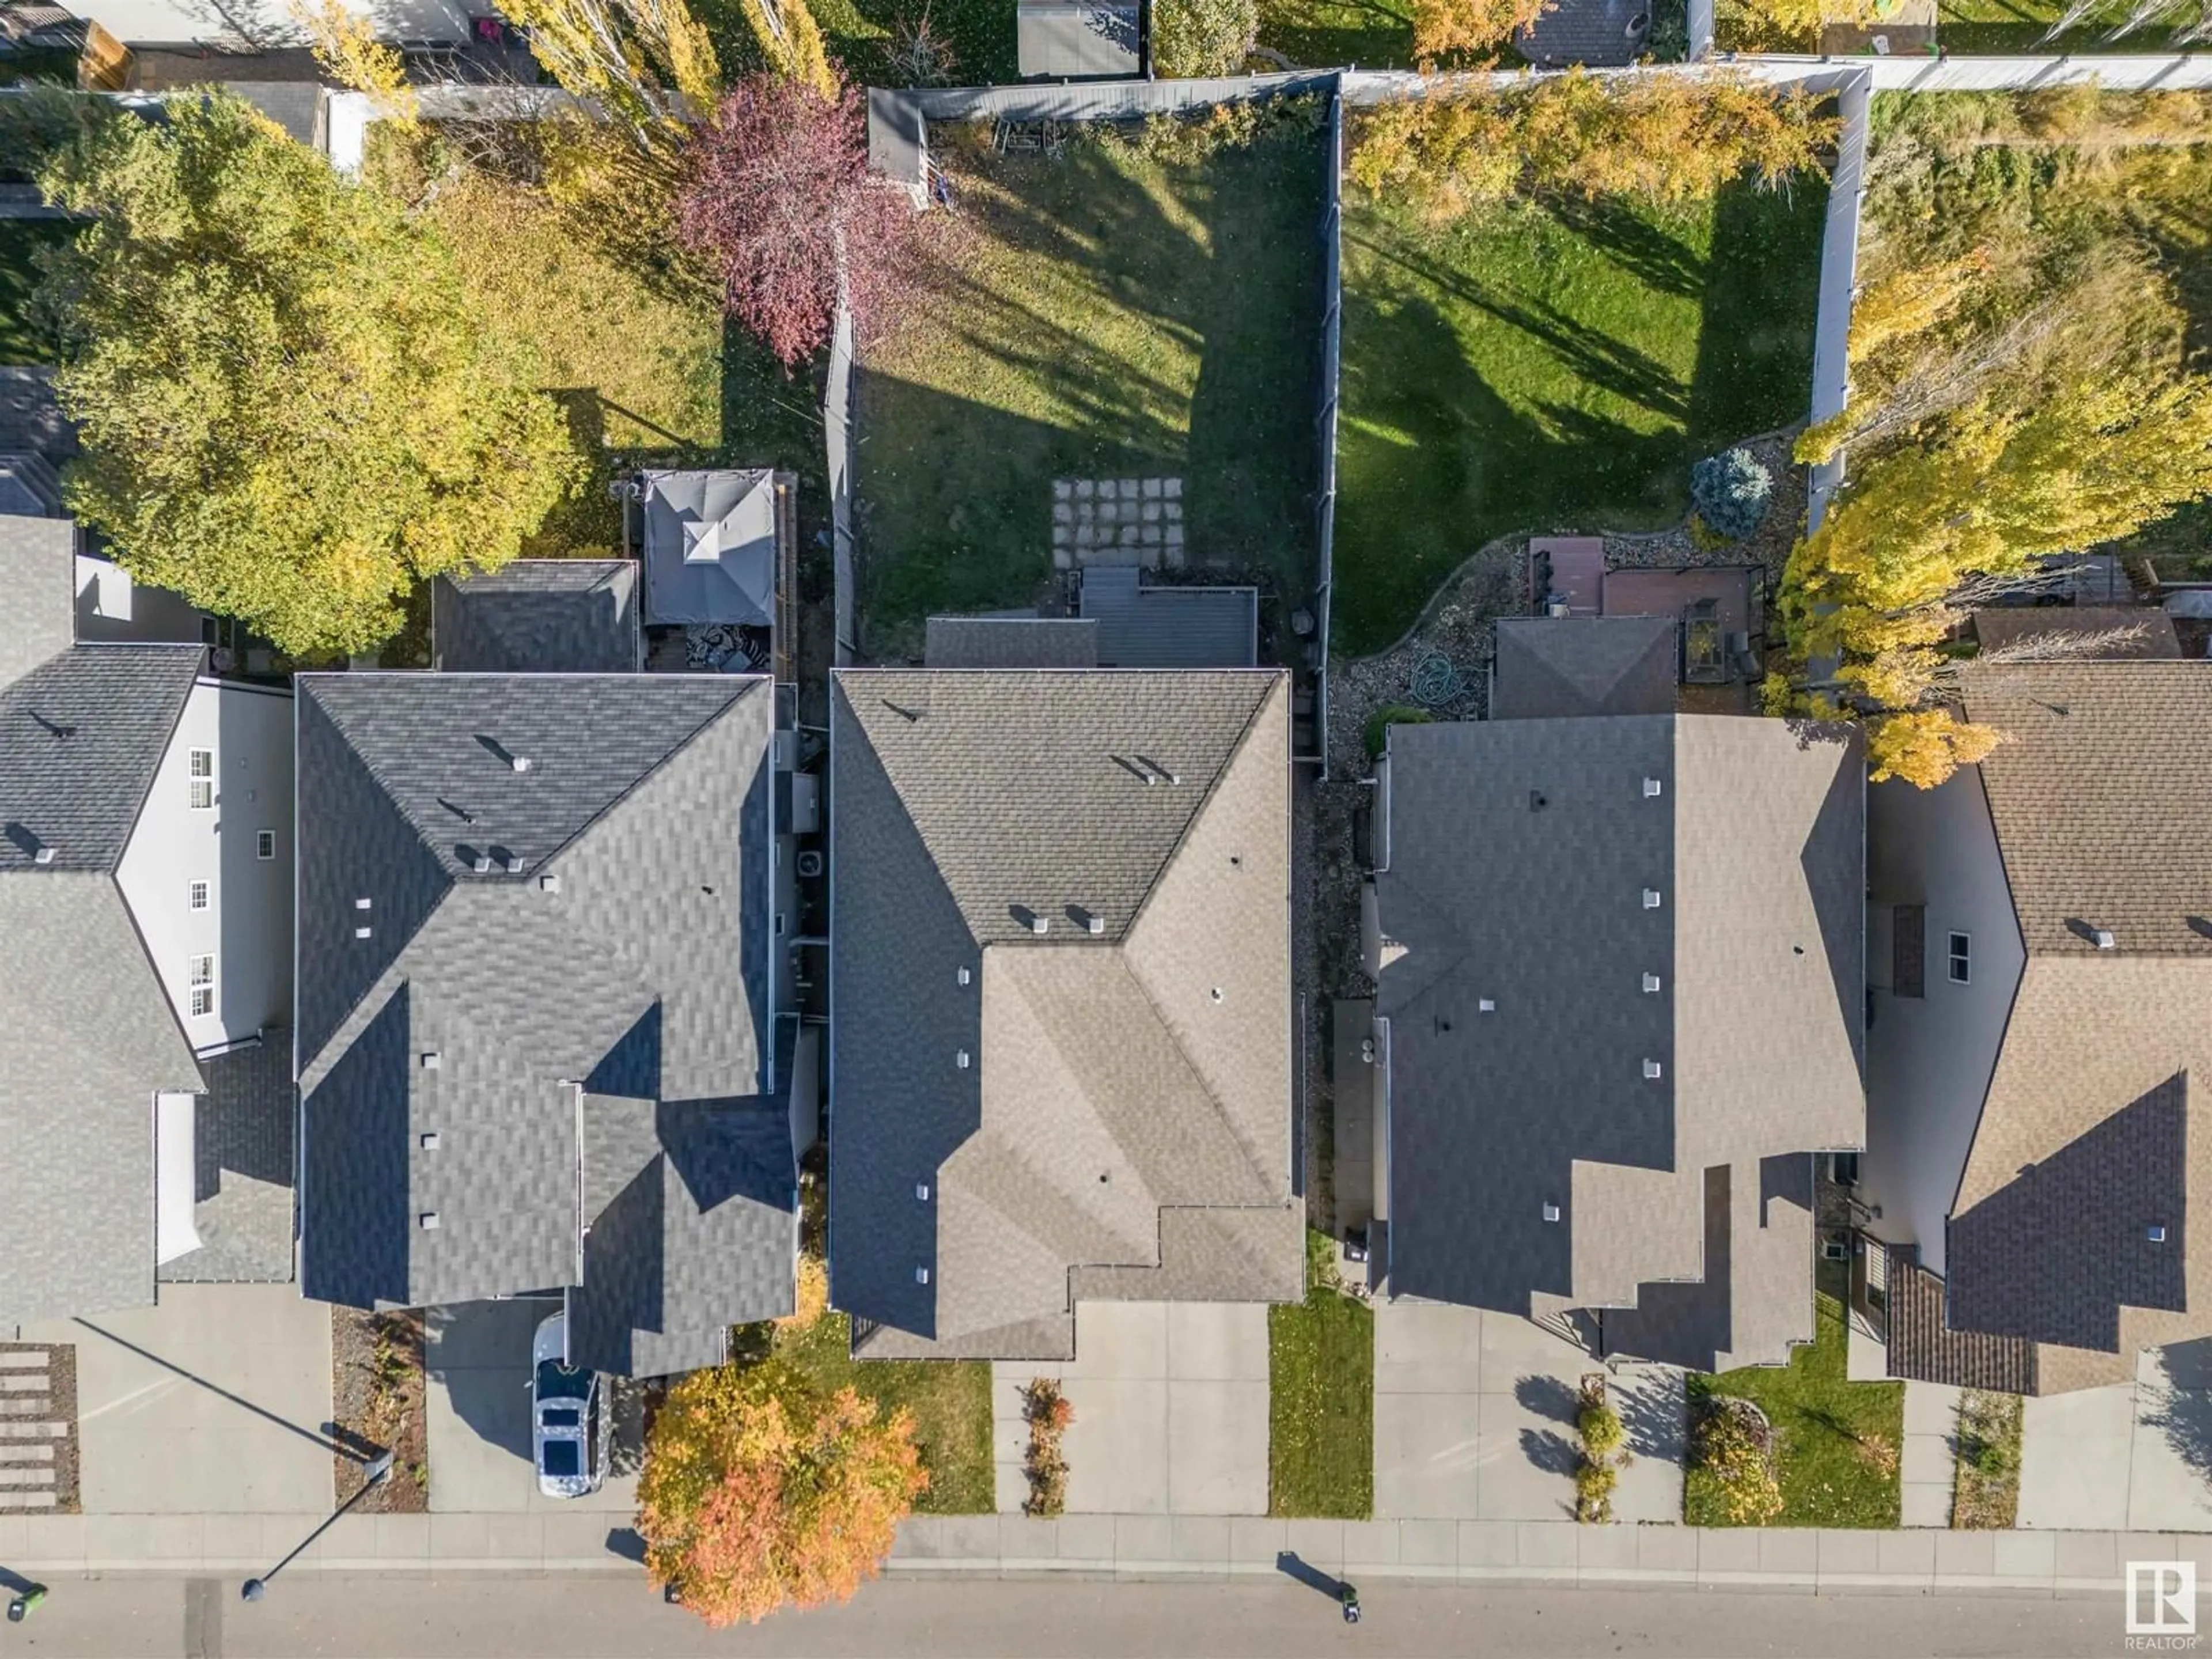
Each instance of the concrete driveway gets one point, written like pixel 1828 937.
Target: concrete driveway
pixel 1475 1421
pixel 216 1400
pixel 2136 1456
pixel 1170 1411
pixel 478 1356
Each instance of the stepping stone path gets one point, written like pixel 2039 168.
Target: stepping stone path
pixel 1117 521
pixel 38 1429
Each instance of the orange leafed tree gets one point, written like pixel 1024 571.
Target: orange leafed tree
pixel 1442 27
pixel 759 1490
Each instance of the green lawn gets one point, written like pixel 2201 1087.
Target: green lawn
pixel 1111 316
pixel 1321 1399
pixel 1553 366
pixel 1340 34
pixel 1833 1436
pixel 951 1400
pixel 21 340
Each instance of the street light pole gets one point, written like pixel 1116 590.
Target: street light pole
pixel 378 1468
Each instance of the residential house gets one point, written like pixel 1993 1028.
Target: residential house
pixel 2041 1010
pixel 1718 614
pixel 1060 1001
pixel 145 894
pixel 548 1036
pixel 1621 987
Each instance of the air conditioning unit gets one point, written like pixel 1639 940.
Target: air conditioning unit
pixel 811 865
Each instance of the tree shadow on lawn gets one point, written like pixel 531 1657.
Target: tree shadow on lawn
pixel 1761 300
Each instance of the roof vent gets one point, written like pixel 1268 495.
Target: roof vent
pixel 519 762
pixel 1550 1212
pixel 549 883
pixel 482 864
pixel 965 977
pixel 43 855
pixel 361 932
pixel 2105 940
pixel 1214 994
pixel 1653 789
pixel 921 1275
pixel 1652 1069
pixel 430 1060
pixel 2155 1232
pixel 361 904
pixel 513 863
pixel 428 1221
pixel 1651 984
pixel 1651 898
pixel 1536 801
pixel 1036 921
pixel 921 1192
pixel 961 1060
pixel 1485 1005
pixel 1164 773
pixel 428 1140
pixel 1093 923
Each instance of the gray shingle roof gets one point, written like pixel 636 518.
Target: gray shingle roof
pixel 711 545
pixel 1597 31
pixel 2087 1134
pixel 1069 1100
pixel 1552 667
pixel 244 1136
pixel 1011 643
pixel 538 616
pixel 1519 861
pixel 1156 625
pixel 641 975
pixel 88 1036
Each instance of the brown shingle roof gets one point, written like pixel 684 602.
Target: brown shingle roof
pixel 2008 625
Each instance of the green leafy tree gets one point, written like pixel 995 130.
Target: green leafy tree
pixel 288 413
pixel 1196 38
pixel 1730 492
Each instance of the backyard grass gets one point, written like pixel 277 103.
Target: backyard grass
pixel 22 340
pixel 1838 1442
pixel 1340 34
pixel 1553 366
pixel 1111 315
pixel 1321 1399
pixel 951 1400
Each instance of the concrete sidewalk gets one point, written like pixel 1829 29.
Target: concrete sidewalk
pixel 1140 1546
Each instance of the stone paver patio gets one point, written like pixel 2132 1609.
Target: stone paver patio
pixel 1475 1421
pixel 1117 521
pixel 1170 1411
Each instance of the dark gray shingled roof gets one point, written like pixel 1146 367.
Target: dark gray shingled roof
pixel 1518 857
pixel 2087 1134
pixel 538 616
pixel 1161 625
pixel 1011 643
pixel 1551 667
pixel 1088 1114
pixel 1600 32
pixel 634 988
pixel 88 1038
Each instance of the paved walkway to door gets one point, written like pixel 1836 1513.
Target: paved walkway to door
pixel 1170 1411
pixel 1475 1421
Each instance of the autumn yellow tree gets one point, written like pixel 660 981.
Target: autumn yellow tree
pixel 1924 746
pixel 345 43
pixel 760 1490
pixel 1476 29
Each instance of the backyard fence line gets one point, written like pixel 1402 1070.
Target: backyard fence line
pixel 837 442
pixel 1332 331
pixel 1701 29
pixel 1840 260
pixel 2116 71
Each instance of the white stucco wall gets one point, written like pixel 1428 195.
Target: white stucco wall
pixel 248 926
pixel 1929 1059
pixel 266 24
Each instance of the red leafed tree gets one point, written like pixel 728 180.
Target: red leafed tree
pixel 776 182
pixel 758 1489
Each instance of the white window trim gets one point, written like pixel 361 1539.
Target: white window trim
pixel 264 838
pixel 197 894
pixel 1959 954
pixel 202 990
pixel 200 781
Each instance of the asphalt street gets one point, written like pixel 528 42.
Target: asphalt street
pixel 392 1618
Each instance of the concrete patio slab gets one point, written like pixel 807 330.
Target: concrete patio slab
pixel 214 1400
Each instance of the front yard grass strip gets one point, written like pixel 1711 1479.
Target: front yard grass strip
pixel 951 1400
pixel 1112 314
pixel 1321 1399
pixel 1986 1492
pixel 1838 1442
pixel 1553 366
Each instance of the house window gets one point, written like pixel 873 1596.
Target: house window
pixel 203 780
pixel 264 843
pixel 1961 957
pixel 199 896
pixel 202 986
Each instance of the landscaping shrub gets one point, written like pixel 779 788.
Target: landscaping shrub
pixel 1731 491
pixel 1603 1453
pixel 1735 1444
pixel 1394 714
pixel 1196 38
pixel 1048 1412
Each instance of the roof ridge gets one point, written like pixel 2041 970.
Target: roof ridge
pixel 748 684
pixel 1277 678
